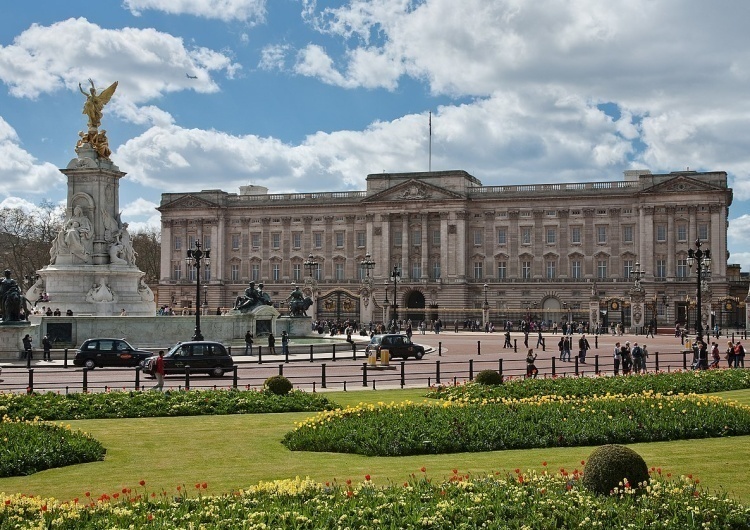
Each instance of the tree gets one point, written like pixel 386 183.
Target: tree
pixel 26 236
pixel 147 244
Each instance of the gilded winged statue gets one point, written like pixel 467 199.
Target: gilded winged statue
pixel 95 102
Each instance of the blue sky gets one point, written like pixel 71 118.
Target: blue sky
pixel 306 95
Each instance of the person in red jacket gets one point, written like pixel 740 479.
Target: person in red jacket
pixel 159 371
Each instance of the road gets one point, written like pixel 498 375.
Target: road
pixel 454 357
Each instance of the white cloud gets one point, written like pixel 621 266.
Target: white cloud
pixel 273 57
pixel 148 63
pixel 249 11
pixel 20 172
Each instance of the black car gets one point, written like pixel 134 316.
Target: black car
pixel 201 356
pixel 109 352
pixel 397 346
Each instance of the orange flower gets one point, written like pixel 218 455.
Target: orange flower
pixel 204 485
pixel 423 470
pixel 142 483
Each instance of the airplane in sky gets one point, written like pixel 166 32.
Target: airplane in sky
pixel 191 76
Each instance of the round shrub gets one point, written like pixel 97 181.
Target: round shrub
pixel 610 465
pixel 489 377
pixel 278 384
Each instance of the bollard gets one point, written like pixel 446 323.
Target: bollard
pixel 553 366
pixel 281 369
pixel 684 360
pixel 229 350
pixel 471 369
pixel 440 349
pixel 65 358
pixel 187 377
pixel 30 388
pixel 344 386
pixel 137 377
pixel 364 374
pixel 28 359
pixel 313 389
pixel 515 345
pixel 596 364
pixel 235 378
pixel 260 355
pixel 479 347
pixel 286 356
pixel 596 342
pixel 311 352
pixel 403 374
pixel 500 367
pixel 333 353
pixel 733 341
pixel 322 376
pixel 576 366
pixel 354 351
pixel 656 361
pixel 373 384
pixel 543 344
pixel 85 380
pixel 437 372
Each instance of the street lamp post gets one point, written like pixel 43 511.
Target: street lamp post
pixel 367 264
pixel 195 258
pixel 638 273
pixel 395 275
pixel 702 260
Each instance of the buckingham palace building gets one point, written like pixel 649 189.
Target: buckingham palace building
pixel 442 245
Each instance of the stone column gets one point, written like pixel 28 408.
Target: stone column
pixel 425 248
pixel 405 272
pixel 671 243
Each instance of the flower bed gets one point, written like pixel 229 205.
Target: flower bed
pixel 50 406
pixel 492 425
pixel 698 382
pixel 532 501
pixel 31 446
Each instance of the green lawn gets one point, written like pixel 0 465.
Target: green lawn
pixel 230 452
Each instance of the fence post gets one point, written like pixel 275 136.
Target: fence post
pixel 286 356
pixel 471 369
pixel 28 359
pixel 30 388
pixel 576 367
pixel 440 349
pixel 479 347
pixel 85 380
pixel 656 361
pixel 596 364
pixel 364 374
pixel 187 377
pixel 137 377
pixel 323 375
pixel 403 374
pixel 235 379
pixel 437 372
pixel 311 352
pixel 596 342
pixel 553 367
pixel 684 360
pixel 500 367
pixel 354 351
pixel 281 369
pixel 544 344
pixel 515 345
pixel 65 358
pixel 260 355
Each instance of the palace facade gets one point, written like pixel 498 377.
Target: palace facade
pixel 464 250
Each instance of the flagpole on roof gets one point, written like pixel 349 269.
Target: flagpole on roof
pixel 429 161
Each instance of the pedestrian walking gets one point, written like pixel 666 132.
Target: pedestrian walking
pixel 271 344
pixel 159 371
pixel 531 369
pixel 583 347
pixel 617 358
pixel 248 343
pixel 28 353
pixel 46 348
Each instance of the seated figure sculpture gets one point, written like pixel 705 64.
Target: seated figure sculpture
pixel 249 300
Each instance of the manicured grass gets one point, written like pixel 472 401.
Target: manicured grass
pixel 230 452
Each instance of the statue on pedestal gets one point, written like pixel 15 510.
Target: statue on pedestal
pixel 95 103
pixel 298 303
pixel 12 300
pixel 253 298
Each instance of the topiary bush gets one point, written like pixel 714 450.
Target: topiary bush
pixel 489 377
pixel 278 384
pixel 609 465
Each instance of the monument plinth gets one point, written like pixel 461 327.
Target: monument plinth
pixel 92 267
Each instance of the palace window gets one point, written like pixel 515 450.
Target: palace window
pixel 627 234
pixel 296 240
pixel 575 269
pixel 235 241
pixel 502 236
pixel 551 236
pixel 526 270
pixel 177 270
pixel 575 235
pixel 502 270
pixel 478 265
pixel 177 243
pixel 601 268
pixel 234 272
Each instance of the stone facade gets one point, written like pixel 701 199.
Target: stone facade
pixel 541 250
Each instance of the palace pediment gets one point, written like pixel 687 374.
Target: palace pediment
pixel 188 201
pixel 682 184
pixel 414 190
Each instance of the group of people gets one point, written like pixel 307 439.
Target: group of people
pixel 250 340
pixel 28 349
pixel 630 359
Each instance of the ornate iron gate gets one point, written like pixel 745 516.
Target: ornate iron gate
pixel 338 306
